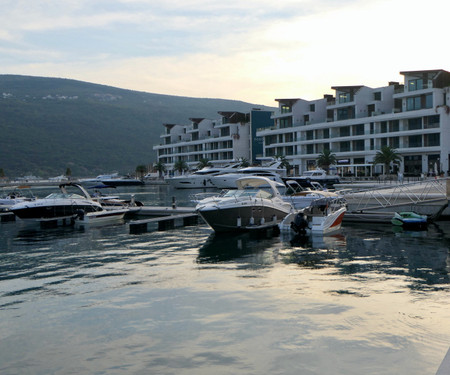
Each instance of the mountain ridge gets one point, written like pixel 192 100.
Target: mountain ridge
pixel 51 124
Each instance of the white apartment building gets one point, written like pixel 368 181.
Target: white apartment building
pixel 231 137
pixel 357 121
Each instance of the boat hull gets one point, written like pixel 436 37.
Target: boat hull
pixel 48 210
pixel 242 218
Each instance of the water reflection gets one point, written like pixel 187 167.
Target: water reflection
pixel 235 247
pixel 421 255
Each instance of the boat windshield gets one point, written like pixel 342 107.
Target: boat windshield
pixel 248 192
pixel 64 196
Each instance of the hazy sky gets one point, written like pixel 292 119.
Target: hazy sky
pixel 251 50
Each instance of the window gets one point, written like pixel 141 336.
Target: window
pixel 383 127
pixel 415 84
pixel 285 122
pixel 344 131
pixel 312 107
pixel 414 123
pixel 415 141
pixel 394 125
pixel 432 140
pixel 358 129
pixel 345 146
pixel 358 145
pixel 309 135
pixel 285 108
pixel 326 133
pixel 345 97
pixel 377 95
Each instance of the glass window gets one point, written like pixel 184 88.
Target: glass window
pixel 285 108
pixel 312 107
pixel 415 84
pixel 429 101
pixel 377 95
pixel 415 141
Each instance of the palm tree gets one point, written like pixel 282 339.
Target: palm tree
pixel 325 159
pixel 180 166
pixel 386 156
pixel 284 162
pixel 141 170
pixel 204 162
pixel 160 167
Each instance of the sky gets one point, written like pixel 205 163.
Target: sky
pixel 250 50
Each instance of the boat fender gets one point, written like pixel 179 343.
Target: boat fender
pixel 252 220
pixel 238 221
pixel 262 221
pixel 274 218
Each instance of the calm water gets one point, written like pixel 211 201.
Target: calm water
pixel 99 300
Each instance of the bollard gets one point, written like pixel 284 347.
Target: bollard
pixel 174 205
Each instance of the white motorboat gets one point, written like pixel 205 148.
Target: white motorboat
pixel 323 216
pixel 300 197
pixel 114 180
pixel 17 195
pixel 255 204
pixel 201 178
pixel 317 175
pixel 65 206
pixel 273 171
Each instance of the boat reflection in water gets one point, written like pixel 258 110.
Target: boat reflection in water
pixel 385 250
pixel 221 247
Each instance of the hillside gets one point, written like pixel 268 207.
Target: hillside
pixel 50 124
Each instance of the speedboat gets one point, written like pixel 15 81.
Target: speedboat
pixel 201 178
pixel 255 204
pixel 317 175
pixel 322 216
pixel 300 197
pixel 273 171
pixel 17 195
pixel 65 206
pixel 114 180
pixel 410 220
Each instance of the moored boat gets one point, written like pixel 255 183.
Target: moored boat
pixel 255 204
pixel 65 206
pixel 323 216
pixel 410 220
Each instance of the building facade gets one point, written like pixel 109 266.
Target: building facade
pixel 357 121
pixel 229 138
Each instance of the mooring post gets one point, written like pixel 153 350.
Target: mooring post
pixel 174 204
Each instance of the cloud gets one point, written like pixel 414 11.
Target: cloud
pixel 254 50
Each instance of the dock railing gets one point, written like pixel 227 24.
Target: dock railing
pixel 429 190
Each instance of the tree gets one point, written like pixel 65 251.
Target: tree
pixel 180 166
pixel 325 159
pixel 160 167
pixel 386 156
pixel 284 162
pixel 141 170
pixel 204 162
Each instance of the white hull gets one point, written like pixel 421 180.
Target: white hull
pixel 315 219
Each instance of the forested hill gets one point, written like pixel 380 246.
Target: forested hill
pixel 50 124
